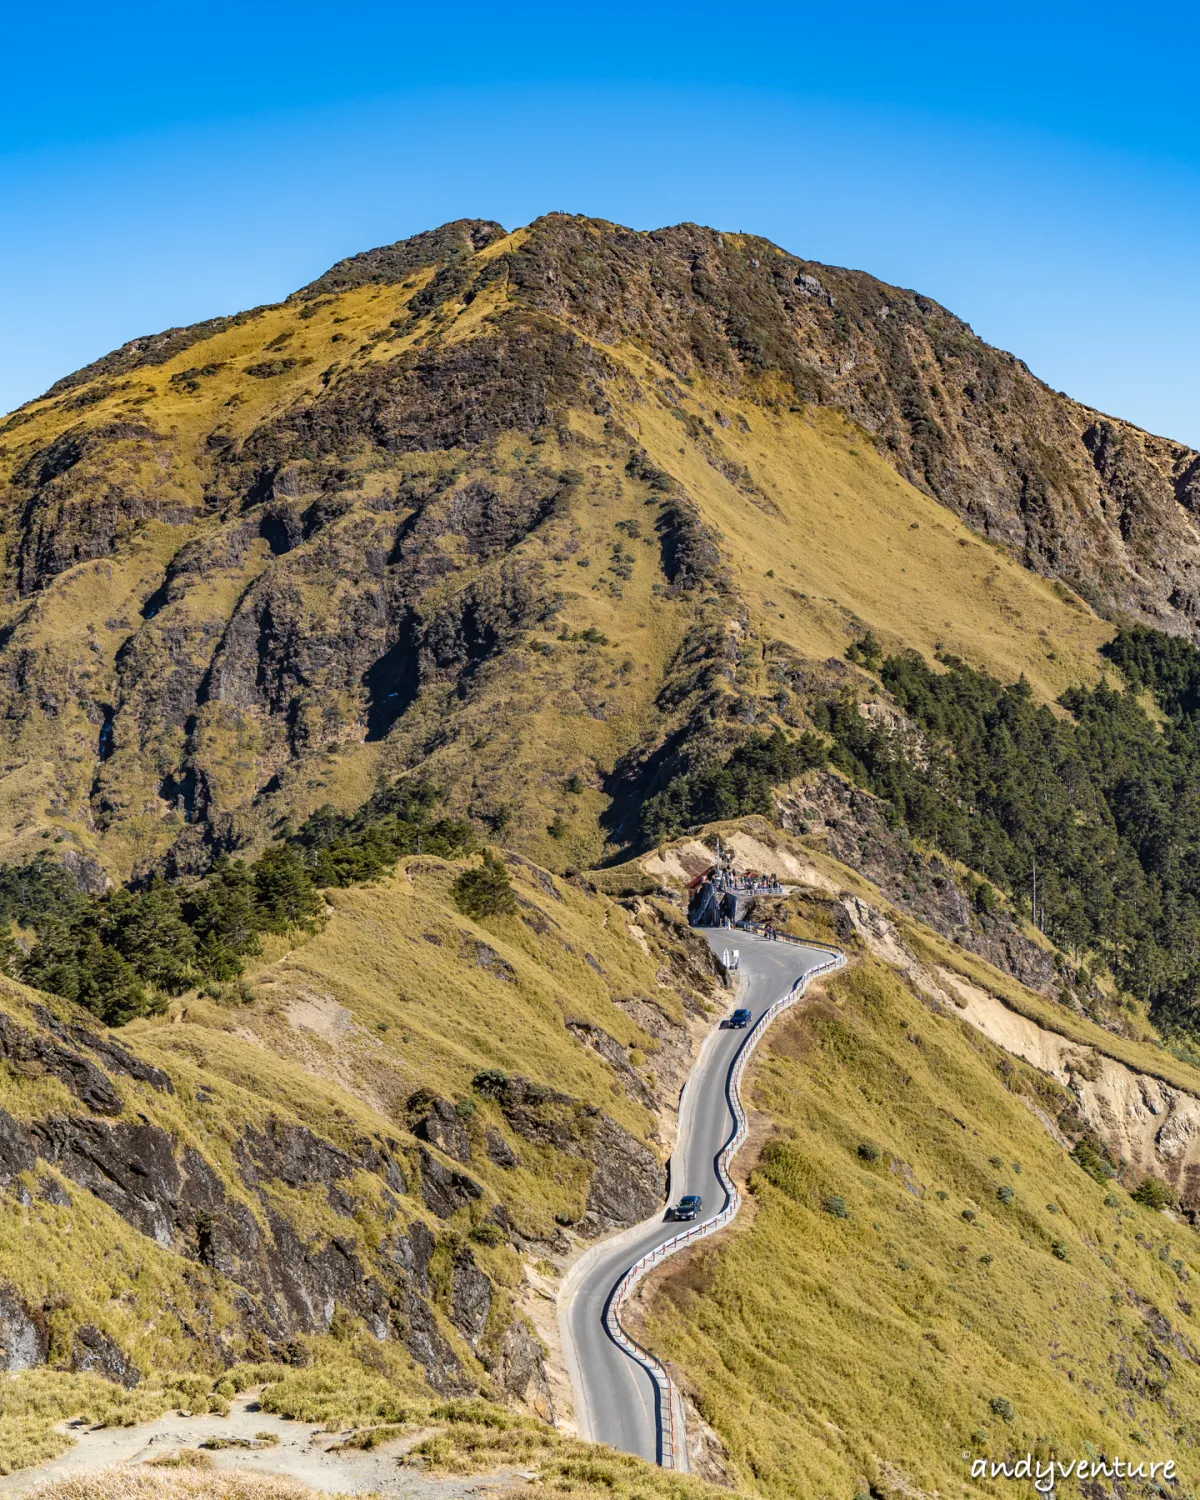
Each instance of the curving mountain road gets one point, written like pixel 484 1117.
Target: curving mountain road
pixel 616 1398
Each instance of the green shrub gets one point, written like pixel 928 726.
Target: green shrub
pixel 1093 1159
pixel 490 1082
pixel 1061 1250
pixel 835 1204
pixel 1005 1193
pixel 1003 1408
pixel 489 1234
pixel 485 891
pixel 869 1151
pixel 1153 1193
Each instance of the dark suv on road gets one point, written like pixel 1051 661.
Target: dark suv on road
pixel 688 1207
pixel 740 1019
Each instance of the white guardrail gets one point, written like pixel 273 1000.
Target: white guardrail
pixel 672 1437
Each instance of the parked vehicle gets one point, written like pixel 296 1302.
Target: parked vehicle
pixel 688 1207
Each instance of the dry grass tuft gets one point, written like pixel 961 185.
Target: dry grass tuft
pixel 145 1483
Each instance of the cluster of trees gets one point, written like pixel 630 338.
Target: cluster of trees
pixel 1099 812
pixel 740 785
pixel 348 848
pixel 123 953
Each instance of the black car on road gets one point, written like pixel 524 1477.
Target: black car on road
pixel 688 1207
pixel 740 1019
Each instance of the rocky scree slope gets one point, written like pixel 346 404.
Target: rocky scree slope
pixel 489 503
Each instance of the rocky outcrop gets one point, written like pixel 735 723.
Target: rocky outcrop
pixel 444 1190
pixel 24 1338
pixel 855 830
pixel 93 1352
pixel 627 1180
pixel 283 1279
pixel 617 1058
pixel 499 1151
pixel 33 1053
pixel 470 1298
pixel 410 1255
pixel 519 1364
pixel 438 1122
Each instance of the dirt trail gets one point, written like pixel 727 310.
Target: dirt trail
pixel 303 1453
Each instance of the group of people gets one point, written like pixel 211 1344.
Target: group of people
pixel 770 932
pixel 758 885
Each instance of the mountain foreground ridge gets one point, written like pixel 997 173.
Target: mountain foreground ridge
pixel 572 547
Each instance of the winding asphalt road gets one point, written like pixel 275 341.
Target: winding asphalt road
pixel 616 1399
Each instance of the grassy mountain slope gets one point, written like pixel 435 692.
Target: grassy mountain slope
pixel 925 1269
pixel 876 1343
pixel 252 565
pixel 346 1160
pixel 563 522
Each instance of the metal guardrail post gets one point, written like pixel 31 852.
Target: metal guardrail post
pixel 669 1437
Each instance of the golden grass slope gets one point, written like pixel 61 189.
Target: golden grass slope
pixel 823 540
pixel 881 1305
pixel 398 992
pixel 956 1286
pixel 828 541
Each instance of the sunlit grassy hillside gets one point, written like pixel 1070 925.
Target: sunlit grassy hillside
pixel 337 1042
pixel 209 635
pixel 923 1275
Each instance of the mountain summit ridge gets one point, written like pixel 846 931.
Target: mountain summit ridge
pixel 334 521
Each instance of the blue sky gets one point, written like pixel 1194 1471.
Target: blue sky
pixel 1034 167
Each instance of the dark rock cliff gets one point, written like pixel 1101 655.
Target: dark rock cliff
pixel 226 1204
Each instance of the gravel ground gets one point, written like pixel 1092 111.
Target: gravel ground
pixel 303 1453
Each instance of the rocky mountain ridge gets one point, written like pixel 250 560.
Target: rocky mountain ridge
pixel 287 550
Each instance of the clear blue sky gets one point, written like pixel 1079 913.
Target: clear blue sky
pixel 1036 167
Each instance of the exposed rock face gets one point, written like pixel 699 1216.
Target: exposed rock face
pixel 292 1154
pixel 24 1339
pixel 499 1150
pixel 94 1352
pixel 412 1315
pixel 471 1298
pixel 283 1280
pixel 440 1124
pixel 443 1190
pixel 856 832
pixel 628 1184
pixel 627 1181
pixel 33 1053
pixel 616 1056
pixel 519 1364
pixel 1145 1122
